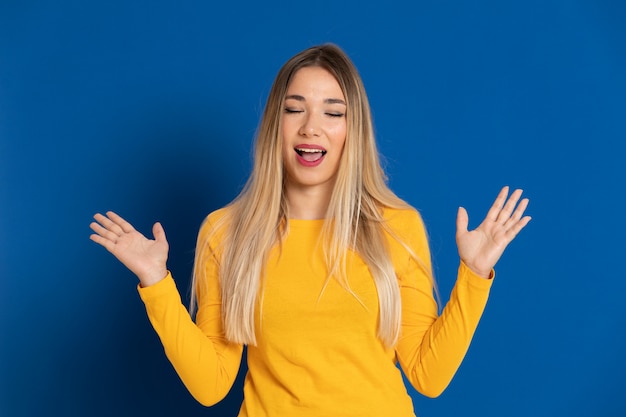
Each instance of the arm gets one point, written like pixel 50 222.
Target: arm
pixel 431 348
pixel 204 360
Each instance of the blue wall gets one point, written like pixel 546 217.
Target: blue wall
pixel 149 108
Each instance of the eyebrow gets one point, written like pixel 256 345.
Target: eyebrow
pixel 327 101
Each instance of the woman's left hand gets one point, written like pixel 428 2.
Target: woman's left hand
pixel 481 248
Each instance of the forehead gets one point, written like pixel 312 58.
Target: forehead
pixel 315 82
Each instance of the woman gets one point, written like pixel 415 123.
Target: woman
pixel 317 267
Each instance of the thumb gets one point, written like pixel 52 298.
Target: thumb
pixel 462 221
pixel 158 232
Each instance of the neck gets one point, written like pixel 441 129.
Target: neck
pixel 308 203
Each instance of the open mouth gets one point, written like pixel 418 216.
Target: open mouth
pixel 310 154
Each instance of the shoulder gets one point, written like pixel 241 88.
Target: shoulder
pixel 406 234
pixel 404 221
pixel 214 225
pixel 217 216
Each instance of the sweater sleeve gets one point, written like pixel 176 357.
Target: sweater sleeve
pixel 204 360
pixel 432 347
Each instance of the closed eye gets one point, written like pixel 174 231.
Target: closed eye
pixel 290 110
pixel 338 114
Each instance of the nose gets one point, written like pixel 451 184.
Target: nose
pixel 310 126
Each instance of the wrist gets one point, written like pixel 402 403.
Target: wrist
pixel 481 272
pixel 153 277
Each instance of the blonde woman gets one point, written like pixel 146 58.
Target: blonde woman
pixel 317 266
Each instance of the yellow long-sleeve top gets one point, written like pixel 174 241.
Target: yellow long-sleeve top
pixel 320 356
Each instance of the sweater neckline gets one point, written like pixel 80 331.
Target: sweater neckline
pixel 305 224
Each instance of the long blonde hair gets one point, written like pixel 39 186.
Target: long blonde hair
pixel 257 219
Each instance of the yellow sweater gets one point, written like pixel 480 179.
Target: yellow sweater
pixel 320 356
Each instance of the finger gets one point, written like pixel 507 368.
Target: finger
pixel 462 220
pixel 108 244
pixel 518 213
pixel 158 232
pixel 123 224
pixel 497 205
pixel 108 224
pixel 517 227
pixel 506 211
pixel 102 232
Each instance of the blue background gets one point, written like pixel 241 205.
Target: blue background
pixel 149 108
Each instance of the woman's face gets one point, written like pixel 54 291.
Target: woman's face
pixel 313 129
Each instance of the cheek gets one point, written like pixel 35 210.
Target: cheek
pixel 287 131
pixel 283 136
pixel 338 136
pixel 284 148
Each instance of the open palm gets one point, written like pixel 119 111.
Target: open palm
pixel 481 248
pixel 145 257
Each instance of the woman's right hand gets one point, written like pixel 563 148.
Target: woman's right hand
pixel 146 258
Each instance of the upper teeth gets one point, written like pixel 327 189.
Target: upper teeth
pixel 309 150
